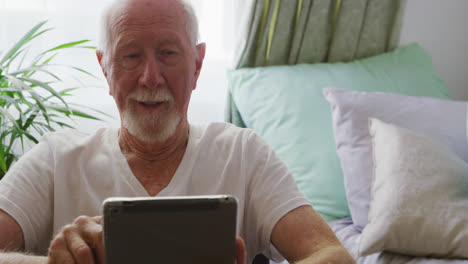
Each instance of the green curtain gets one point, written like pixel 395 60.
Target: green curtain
pixel 288 32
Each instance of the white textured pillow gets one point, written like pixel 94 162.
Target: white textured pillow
pixel 442 120
pixel 419 199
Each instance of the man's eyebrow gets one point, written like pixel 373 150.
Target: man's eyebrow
pixel 126 44
pixel 170 40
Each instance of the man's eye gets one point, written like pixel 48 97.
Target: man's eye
pixel 132 56
pixel 130 61
pixel 168 52
pixel 169 57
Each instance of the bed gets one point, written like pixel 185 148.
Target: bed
pixel 377 145
pixel 349 237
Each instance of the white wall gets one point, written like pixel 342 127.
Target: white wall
pixel 441 27
pixel 75 20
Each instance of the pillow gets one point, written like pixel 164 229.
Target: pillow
pixel 443 120
pixel 285 105
pixel 419 199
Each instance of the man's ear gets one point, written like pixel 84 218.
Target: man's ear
pixel 200 56
pixel 99 55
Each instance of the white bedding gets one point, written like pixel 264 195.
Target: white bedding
pixel 349 236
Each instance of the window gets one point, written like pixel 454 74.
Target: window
pixel 76 20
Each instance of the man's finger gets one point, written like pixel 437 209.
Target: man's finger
pixel 91 232
pixel 58 252
pixel 80 250
pixel 97 219
pixel 241 253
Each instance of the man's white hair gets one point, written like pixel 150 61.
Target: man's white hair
pixel 109 12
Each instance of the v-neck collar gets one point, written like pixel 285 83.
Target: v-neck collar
pixel 182 172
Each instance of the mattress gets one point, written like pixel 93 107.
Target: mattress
pixel 349 237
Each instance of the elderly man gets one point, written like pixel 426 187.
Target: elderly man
pixel 151 60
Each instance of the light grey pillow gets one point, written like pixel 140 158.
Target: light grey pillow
pixel 419 198
pixel 443 120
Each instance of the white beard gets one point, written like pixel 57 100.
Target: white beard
pixel 151 127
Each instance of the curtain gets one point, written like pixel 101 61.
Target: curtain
pixel 291 32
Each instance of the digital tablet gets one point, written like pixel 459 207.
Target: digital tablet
pixel 188 229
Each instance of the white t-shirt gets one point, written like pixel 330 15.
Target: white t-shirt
pixel 69 174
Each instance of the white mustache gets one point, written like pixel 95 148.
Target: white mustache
pixel 153 95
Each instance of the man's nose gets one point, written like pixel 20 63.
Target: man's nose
pixel 152 73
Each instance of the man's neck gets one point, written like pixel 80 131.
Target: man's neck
pixel 154 165
pixel 135 148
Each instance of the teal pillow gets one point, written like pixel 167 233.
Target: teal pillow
pixel 286 106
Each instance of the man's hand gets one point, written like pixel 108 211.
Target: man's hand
pixel 80 242
pixel 241 253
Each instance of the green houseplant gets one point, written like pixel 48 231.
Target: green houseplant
pixel 30 102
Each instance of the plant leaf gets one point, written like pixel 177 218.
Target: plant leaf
pixel 35 96
pixel 34 68
pixel 22 143
pixel 30 120
pixel 22 59
pixel 31 137
pixel 61 124
pixel 75 112
pixel 11 101
pixel 49 59
pixel 46 87
pixel 44 125
pixel 10 60
pixel 67 45
pixel 38 58
pixel 39 130
pixel 40 33
pixel 3 166
pixel 94 110
pixel 9 117
pixel 12 91
pixel 25 39
pixel 85 72
pixel 4 134
pixel 65 91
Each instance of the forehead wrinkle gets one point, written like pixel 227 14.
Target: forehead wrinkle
pixel 121 31
pixel 131 43
pixel 124 39
pixel 127 18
